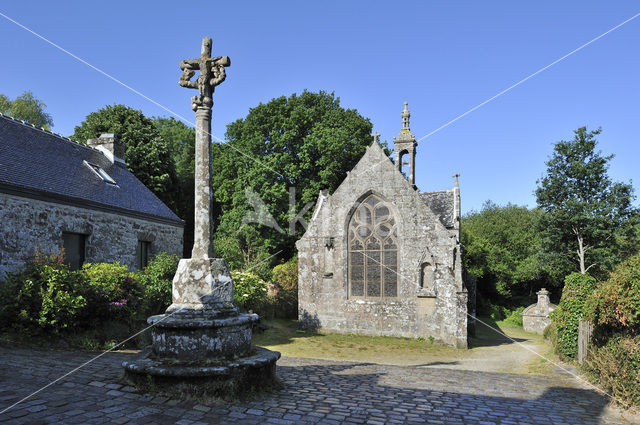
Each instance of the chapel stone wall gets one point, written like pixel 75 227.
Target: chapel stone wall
pixel 323 284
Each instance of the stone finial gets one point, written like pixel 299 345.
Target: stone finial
pixel 543 298
pixel 376 137
pixel 455 176
pixel 212 73
pixel 405 117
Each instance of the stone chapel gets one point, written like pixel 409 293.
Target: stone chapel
pixel 382 258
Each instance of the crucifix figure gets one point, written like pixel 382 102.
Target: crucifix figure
pixel 212 73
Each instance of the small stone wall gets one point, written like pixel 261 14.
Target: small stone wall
pixel 29 225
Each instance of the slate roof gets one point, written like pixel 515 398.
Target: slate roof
pixel 39 163
pixel 442 205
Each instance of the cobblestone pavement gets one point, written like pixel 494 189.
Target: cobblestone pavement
pixel 315 391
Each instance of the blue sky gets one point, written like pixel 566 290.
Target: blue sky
pixel 443 58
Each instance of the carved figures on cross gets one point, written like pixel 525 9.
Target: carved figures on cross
pixel 212 73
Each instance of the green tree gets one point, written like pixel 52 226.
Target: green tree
pixel 307 142
pixel 502 248
pixel 147 154
pixel 28 108
pixel 590 219
pixel 180 139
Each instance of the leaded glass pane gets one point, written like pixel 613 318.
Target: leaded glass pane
pixel 357 288
pixel 383 230
pixel 390 244
pixel 373 244
pixel 357 273
pixel 373 288
pixel 390 286
pixel 364 231
pixel 381 213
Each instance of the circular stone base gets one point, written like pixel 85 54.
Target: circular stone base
pixel 189 337
pixel 220 379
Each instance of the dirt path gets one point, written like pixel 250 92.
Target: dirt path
pixel 492 352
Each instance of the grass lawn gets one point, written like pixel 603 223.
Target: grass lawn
pixel 284 336
pixel 488 350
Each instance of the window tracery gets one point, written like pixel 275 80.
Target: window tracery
pixel 373 250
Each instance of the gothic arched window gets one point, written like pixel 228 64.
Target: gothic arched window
pixel 373 251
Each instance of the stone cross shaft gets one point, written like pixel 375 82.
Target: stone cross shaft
pixel 212 73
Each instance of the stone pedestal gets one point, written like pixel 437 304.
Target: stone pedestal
pixel 202 345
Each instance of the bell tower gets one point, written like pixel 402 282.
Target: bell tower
pixel 405 146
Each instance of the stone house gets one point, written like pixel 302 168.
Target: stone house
pixel 382 258
pixel 57 193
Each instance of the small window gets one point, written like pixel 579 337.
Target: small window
pixel 142 254
pixel 101 173
pixel 74 249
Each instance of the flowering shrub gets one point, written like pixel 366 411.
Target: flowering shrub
pixel 47 296
pixel 249 291
pixel 112 292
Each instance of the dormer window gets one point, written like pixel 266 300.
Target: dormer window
pixel 101 173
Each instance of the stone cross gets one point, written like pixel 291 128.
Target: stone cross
pixel 376 137
pixel 212 73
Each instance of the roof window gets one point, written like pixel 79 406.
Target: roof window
pixel 101 173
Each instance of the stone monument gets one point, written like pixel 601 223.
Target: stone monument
pixel 202 344
pixel 536 317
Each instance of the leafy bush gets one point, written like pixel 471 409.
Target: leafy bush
pixel 615 365
pixel 550 333
pixel 614 353
pixel 112 292
pixel 249 291
pixel 156 280
pixel 98 304
pixel 286 275
pixel 42 297
pixel 616 303
pixel 577 288
pixel 514 317
pixel 285 279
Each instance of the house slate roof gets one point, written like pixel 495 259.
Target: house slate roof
pixel 442 205
pixel 36 162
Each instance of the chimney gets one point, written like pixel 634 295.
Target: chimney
pixel 110 146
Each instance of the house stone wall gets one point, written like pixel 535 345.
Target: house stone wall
pixel 30 224
pixel 322 267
